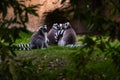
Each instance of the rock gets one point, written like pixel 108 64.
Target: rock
pixel 50 11
pixel 45 7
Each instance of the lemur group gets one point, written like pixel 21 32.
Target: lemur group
pixel 60 34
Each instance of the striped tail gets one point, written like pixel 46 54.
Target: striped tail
pixel 58 34
pixel 25 47
pixel 75 45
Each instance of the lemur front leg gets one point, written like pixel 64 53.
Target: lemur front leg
pixel 46 39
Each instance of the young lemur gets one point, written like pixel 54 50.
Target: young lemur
pixel 38 40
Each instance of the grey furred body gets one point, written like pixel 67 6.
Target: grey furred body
pixel 39 39
pixel 69 35
pixel 51 37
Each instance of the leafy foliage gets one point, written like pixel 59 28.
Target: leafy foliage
pixel 10 26
pixel 97 61
pixel 101 17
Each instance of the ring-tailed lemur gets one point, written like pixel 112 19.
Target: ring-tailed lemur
pixel 68 38
pixel 38 40
pixel 68 35
pixel 53 39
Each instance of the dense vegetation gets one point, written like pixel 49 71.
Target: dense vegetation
pixel 89 62
pixel 98 60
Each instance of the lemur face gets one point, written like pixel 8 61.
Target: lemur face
pixel 66 25
pixel 43 28
pixel 56 26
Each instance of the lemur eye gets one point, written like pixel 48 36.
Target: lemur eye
pixel 44 29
